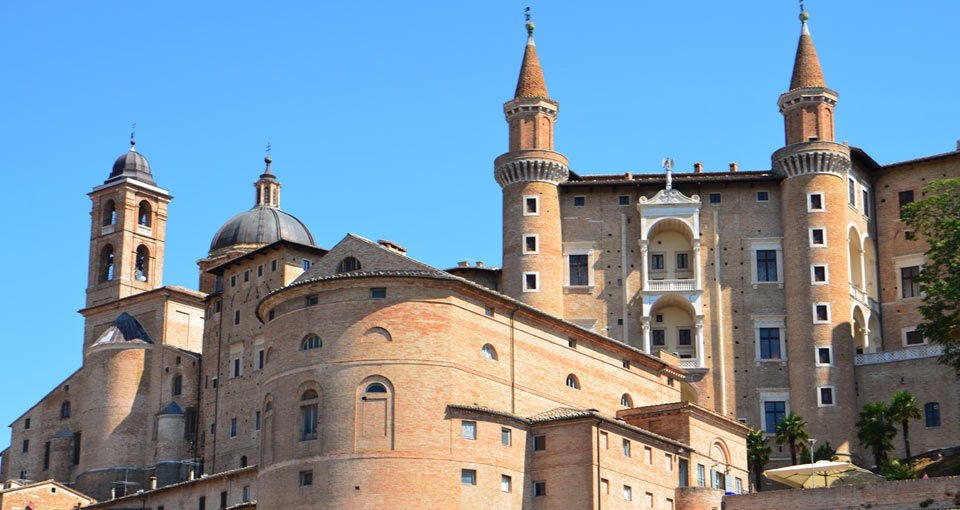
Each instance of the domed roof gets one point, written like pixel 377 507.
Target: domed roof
pixel 131 164
pixel 261 225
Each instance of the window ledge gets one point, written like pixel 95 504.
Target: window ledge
pixel 578 289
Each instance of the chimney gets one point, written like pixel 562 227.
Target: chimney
pixel 734 166
pixel 463 263
pixel 629 175
pixel 958 145
pixel 479 263
pixel 390 245
pixel 698 167
pixel 153 483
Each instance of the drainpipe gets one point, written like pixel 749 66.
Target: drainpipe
pixel 719 311
pixel 623 278
pixel 599 483
pixel 513 364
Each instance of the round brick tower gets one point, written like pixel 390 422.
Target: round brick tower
pixel 815 167
pixel 529 174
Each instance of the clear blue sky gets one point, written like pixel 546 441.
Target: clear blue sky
pixel 385 118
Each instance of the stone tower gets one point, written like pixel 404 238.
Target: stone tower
pixel 128 225
pixel 814 246
pixel 529 175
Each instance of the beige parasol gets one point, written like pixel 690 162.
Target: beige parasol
pixel 822 474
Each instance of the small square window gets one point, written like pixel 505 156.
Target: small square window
pixel 468 429
pixel 531 206
pixel 531 282
pixel 306 478
pixel 824 356
pixel 714 198
pixel 815 202
pixel 468 476
pixel 913 338
pixel 908 235
pixel 506 436
pixel 579 201
pixel 306 264
pixel 378 293
pixel 826 396
pixel 539 489
pixel 312 300
pixel 763 196
pixel 506 483
pixel 488 311
pixel 818 237
pixel 571 343
pixel 530 244
pixel 624 200
pixel 539 443
pixel 626 364
pixel 821 313
pixel 818 274
pixel 658 318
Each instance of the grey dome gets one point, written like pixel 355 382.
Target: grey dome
pixel 132 164
pixel 261 225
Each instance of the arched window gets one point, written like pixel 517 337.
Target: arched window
pixel 932 414
pixel 65 410
pixel 309 395
pixel 626 401
pixel 243 461
pixel 143 263
pixel 106 263
pixel 143 217
pixel 376 388
pixel 573 382
pixel 348 264
pixel 109 213
pixel 308 415
pixel 311 342
pixel 489 352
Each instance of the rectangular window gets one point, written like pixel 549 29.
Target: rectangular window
pixel 904 198
pixel 273 265
pixel 308 422
pixel 531 206
pixel 579 201
pixel 656 261
pixel 468 429
pixel 824 356
pixel 821 313
pixel 202 503
pixel 908 235
pixel 306 478
pixel 818 274
pixel 223 499
pixel 236 317
pixel 815 202
pixel 669 504
pixel 683 261
pixel 233 281
pixel 246 276
pixel 260 270
pixel 177 385
pixel 766 265
pixel 539 489
pixel 306 264
pixel 539 443
pixel 668 461
pixel 658 337
pixel 866 202
pixel 683 337
pixel 236 367
pixel 852 194
pixel 530 244
pixel 46 455
pixel 739 486
pixel 26 423
pixel 648 455
pixel 76 448
pixel 506 483
pixel 26 445
pixel 246 493
pixel 624 200
pixel 909 281
pixel 233 427
pixel 578 270
pixel 378 293
pixel 312 300
pixel 714 198
pixel 531 282
pixel 773 413
pixel 826 396
pixel 818 237
pixel 913 338
pixel 604 440
pixel 683 466
pixel 763 196
pixel 256 421
pixel 627 493
pixel 769 343
pixel 604 486
pixel 506 436
pixel 260 359
pixel 626 447
pixel 468 476
pixel 931 412
pixel 701 478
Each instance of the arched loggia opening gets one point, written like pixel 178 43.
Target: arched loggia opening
pixel 106 263
pixel 673 327
pixel 855 257
pixel 861 342
pixel 142 268
pixel 670 251
pixel 870 268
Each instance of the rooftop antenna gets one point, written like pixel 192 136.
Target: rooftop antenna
pixel 133 134
pixel 668 166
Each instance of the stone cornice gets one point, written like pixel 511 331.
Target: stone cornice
pixel 806 95
pixel 812 158
pixel 530 166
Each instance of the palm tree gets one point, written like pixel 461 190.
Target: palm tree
pixel 903 408
pixel 758 455
pixel 791 430
pixel 875 431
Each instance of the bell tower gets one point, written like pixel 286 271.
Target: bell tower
pixel 529 175
pixel 128 226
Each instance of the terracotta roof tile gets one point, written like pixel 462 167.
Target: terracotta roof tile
pixel 531 82
pixel 806 66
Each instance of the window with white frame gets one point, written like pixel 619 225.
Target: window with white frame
pixel 627 493
pixel 824 355
pixel 656 262
pixel 766 260
pixel 866 202
pixel 531 244
pixel 826 396
pixel 531 205
pixel 819 274
pixel 852 192
pixel 775 406
pixel 821 313
pixel 468 429
pixel 531 282
pixel 578 256
pixel 818 237
pixel 907 269
pixel 815 202
pixel 770 337
pixel 506 483
pixel 236 357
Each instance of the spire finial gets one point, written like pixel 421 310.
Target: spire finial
pixel 668 166
pixel 804 16
pixel 133 134
pixel 530 26
pixel 268 159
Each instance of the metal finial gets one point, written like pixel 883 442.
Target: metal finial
pixel 268 159
pixel 667 164
pixel 133 134
pixel 526 14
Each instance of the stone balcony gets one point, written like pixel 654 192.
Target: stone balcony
pixel 864 298
pixel 684 285
pixel 907 353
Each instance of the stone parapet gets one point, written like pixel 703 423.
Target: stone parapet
pixel 812 158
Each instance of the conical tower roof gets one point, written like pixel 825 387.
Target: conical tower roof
pixel 806 66
pixel 531 82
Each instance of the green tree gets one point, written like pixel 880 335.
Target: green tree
pixel 791 430
pixel 758 455
pixel 903 408
pixel 875 431
pixel 894 470
pixel 937 220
